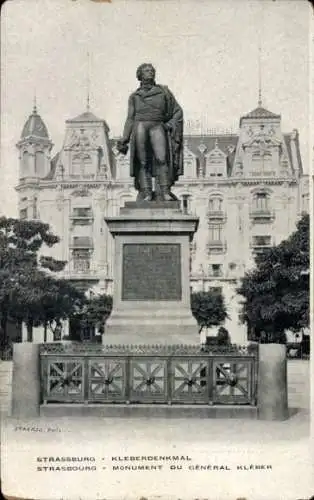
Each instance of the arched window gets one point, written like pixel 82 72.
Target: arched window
pixel 215 204
pixel 39 162
pixel 261 201
pixel 25 162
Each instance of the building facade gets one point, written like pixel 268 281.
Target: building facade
pixel 248 190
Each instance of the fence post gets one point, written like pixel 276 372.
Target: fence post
pixel 272 394
pixel 26 381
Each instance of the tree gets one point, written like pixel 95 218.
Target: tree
pixel 29 290
pixel 93 315
pixel 208 308
pixel 276 291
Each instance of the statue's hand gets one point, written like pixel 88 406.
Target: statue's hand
pixel 122 147
pixel 168 126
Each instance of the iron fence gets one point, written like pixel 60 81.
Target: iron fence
pixel 148 374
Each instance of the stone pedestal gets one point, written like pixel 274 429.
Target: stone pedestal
pixel 25 381
pixel 272 382
pixel 151 300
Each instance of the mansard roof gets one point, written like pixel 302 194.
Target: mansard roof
pixel 227 143
pixel 196 143
pixel 87 116
pixel 259 113
pixel 202 144
pixel 35 127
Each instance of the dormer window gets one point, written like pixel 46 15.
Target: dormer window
pixel 216 163
pixel 262 162
pixel 190 163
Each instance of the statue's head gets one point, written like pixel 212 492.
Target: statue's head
pixel 146 72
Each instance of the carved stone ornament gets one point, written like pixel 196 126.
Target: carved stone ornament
pixel 82 191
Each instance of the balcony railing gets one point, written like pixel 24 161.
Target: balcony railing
pixel 216 246
pixel 216 216
pixel 262 215
pixel 260 247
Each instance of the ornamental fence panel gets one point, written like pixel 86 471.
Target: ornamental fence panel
pixel 139 374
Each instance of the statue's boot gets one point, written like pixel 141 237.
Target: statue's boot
pixel 146 185
pixel 163 182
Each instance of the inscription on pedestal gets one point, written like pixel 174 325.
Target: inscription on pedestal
pixel 151 271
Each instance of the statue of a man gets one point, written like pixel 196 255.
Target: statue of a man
pixel 154 128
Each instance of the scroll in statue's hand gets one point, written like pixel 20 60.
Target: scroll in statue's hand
pixel 122 147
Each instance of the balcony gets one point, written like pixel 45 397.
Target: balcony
pixel 262 215
pixel 259 244
pixel 215 273
pixel 216 246
pixel 216 216
pixel 81 217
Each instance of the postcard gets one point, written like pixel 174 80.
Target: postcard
pixel 155 250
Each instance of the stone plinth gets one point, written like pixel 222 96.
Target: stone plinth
pixel 151 301
pixel 272 382
pixel 25 381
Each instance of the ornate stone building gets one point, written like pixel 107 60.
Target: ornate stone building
pixel 248 190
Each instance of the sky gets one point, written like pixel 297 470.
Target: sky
pixel 206 51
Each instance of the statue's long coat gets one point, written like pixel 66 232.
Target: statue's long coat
pixel 173 115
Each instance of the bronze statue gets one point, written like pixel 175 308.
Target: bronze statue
pixel 154 128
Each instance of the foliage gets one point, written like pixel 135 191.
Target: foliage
pixel 29 291
pixel 93 315
pixel 276 291
pixel 208 308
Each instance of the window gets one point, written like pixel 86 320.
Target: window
pixel 215 163
pixel 262 163
pixel 39 162
pixel 82 165
pixel 215 233
pixel 23 214
pixel 305 203
pixel 215 204
pixel 215 289
pixel 35 211
pixel 82 242
pixel 215 270
pixel 185 203
pixel 261 241
pixel 82 212
pixel 81 261
pixel 261 202
pixel 25 161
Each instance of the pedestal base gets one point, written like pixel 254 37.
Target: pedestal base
pixel 151 327
pixel 151 302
